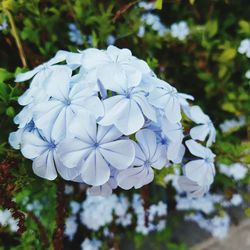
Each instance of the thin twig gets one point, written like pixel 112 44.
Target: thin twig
pixel 122 10
pixel 60 216
pixel 16 37
pixel 41 229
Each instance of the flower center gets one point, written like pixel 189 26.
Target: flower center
pixel 147 163
pixel 96 145
pixel 67 102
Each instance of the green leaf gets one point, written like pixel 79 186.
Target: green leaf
pixel 158 4
pixel 5 75
pixel 212 28
pixel 244 27
pixel 10 111
pixel 227 54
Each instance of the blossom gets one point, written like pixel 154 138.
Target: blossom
pixel 179 30
pixel 206 128
pixel 94 149
pixel 107 188
pixel 229 125
pixel 148 154
pixel 236 199
pixel 93 244
pixel 42 151
pixel 114 65
pixel 244 47
pixel 236 170
pixel 126 110
pixel 54 116
pixel 173 133
pixel 166 97
pixel 70 227
pixel 247 74
pixel 4 25
pixel 75 34
pixel 201 171
pixel 103 118
pixel 43 71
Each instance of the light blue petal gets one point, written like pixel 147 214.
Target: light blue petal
pixel 159 160
pixel 120 154
pixel 147 141
pixel 58 82
pixel 113 77
pixel 107 134
pixel 72 152
pixel 200 172
pixel 199 132
pixel 32 145
pixel 131 120
pixel 146 108
pixel 44 166
pixel 95 170
pixel 114 108
pixel 65 172
pixel 83 126
pixel 93 58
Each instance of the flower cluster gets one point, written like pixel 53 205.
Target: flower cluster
pixel 105 119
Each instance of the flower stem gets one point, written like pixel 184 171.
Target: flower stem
pixel 16 37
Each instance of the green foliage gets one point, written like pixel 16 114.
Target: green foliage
pixel 205 65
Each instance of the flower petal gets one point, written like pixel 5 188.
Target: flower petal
pixel 114 108
pixel 146 108
pixel 32 146
pixel 120 154
pixel 200 172
pixel 107 134
pixel 72 151
pixel 131 120
pixel 199 132
pixel 95 170
pixel 147 141
pixel 44 166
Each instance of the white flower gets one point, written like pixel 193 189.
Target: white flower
pixel 236 200
pixel 245 47
pixel 54 116
pixel 229 125
pixel 179 30
pixel 148 155
pixel 75 34
pixel 4 25
pixel 206 127
pixel 127 109
pixel 93 244
pixel 202 169
pixel 70 227
pixel 94 148
pixel 235 170
pixel 166 97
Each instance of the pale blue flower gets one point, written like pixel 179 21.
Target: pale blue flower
pixel 244 47
pixel 179 30
pixel 200 170
pixel 114 65
pixel 94 149
pixel 166 97
pixel 127 109
pixel 148 155
pixel 206 127
pixel 55 115
pixel 75 34
pixel 4 25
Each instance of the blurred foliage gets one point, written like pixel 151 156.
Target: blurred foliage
pixel 205 65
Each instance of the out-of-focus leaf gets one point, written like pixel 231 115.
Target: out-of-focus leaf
pixel 212 28
pixel 227 54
